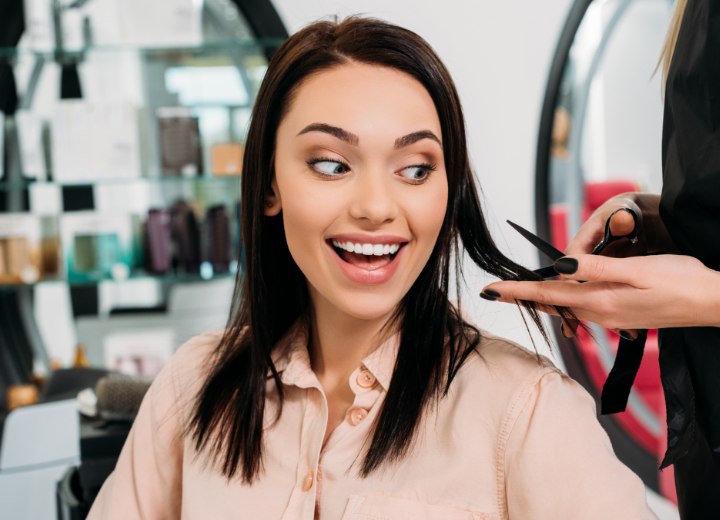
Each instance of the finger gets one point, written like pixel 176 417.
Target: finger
pixel 568 327
pixel 583 242
pixel 548 296
pixel 555 292
pixel 490 294
pixel 566 331
pixel 572 324
pixel 629 334
pixel 597 268
pixel 622 223
pixel 592 231
pixel 547 309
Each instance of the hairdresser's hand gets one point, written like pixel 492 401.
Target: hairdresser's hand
pixel 621 224
pixel 626 293
pixel 652 235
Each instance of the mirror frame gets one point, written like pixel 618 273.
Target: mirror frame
pixel 627 449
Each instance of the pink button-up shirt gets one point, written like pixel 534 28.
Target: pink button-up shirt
pixel 514 438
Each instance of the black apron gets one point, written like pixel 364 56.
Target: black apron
pixel 690 209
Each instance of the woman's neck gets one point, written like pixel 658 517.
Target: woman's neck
pixel 339 343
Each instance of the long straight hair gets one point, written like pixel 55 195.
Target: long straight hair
pixel 271 294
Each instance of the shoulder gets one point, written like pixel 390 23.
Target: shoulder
pixel 181 379
pixel 500 375
pixel 504 365
pixel 513 384
pixel 195 353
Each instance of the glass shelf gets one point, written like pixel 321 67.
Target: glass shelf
pixel 203 180
pixel 204 48
pixel 171 278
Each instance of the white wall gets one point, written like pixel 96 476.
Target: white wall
pixel 499 54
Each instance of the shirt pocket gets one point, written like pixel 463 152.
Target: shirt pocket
pixel 383 507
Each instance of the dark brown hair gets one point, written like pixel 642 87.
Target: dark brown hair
pixel 271 293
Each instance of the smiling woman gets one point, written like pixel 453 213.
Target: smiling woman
pixel 370 177
pixel 346 385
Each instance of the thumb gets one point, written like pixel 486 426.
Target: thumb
pixel 596 268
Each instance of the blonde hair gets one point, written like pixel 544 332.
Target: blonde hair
pixel 671 38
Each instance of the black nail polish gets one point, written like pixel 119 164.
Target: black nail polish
pixel 566 265
pixel 628 335
pixel 490 295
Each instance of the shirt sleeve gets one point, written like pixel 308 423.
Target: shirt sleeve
pixel 559 462
pixel 146 482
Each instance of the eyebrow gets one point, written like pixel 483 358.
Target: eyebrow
pixel 414 137
pixel 354 140
pixel 334 131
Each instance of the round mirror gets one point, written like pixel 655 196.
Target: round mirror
pixel 600 136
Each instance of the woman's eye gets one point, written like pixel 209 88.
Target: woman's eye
pixel 417 173
pixel 328 167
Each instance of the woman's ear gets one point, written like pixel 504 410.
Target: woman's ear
pixel 273 204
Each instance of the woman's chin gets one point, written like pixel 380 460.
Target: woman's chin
pixel 367 309
pixel 369 314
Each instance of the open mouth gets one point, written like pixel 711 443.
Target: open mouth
pixel 366 256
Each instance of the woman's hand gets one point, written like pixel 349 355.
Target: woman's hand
pixel 626 293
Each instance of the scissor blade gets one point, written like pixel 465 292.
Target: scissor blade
pixel 538 242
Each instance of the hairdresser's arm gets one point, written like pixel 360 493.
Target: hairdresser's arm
pixel 629 293
pixel 559 462
pixel 146 480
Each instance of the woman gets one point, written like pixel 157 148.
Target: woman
pixel 678 293
pixel 345 384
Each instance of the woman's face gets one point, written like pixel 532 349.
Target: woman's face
pixel 361 182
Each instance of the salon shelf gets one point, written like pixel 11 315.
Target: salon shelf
pixel 171 180
pixel 162 52
pixel 169 279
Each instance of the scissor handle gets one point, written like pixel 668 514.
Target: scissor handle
pixel 608 237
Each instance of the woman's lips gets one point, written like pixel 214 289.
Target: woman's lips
pixel 369 263
pixel 367 269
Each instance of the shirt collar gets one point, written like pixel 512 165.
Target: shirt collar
pixel 381 361
pixel 291 351
pixel 292 361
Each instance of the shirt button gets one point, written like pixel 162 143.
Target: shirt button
pixel 365 379
pixel 356 414
pixel 308 482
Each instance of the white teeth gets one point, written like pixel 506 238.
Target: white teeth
pixel 367 249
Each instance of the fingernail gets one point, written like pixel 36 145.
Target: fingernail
pixel 490 295
pixel 565 332
pixel 630 335
pixel 566 265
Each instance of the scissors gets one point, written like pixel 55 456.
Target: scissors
pixel 554 253
pixel 620 379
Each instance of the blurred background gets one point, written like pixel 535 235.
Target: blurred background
pixel 123 126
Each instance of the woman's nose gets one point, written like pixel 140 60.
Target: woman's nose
pixel 372 198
